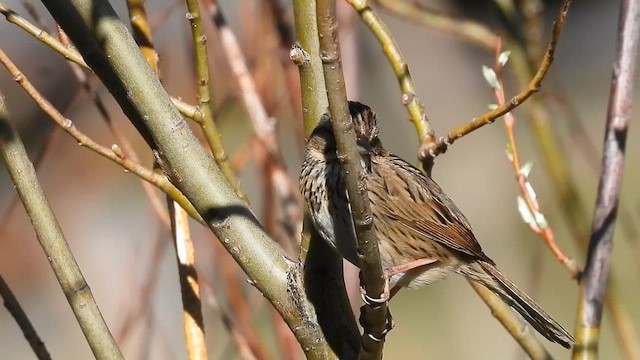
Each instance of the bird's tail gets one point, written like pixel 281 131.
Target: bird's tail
pixel 489 276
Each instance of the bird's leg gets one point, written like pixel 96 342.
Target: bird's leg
pixel 405 268
pixel 376 302
pixel 388 274
pixel 408 266
pixel 388 294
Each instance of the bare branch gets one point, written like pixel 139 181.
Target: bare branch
pixel 467 30
pixel 29 332
pixel 618 116
pixel 400 67
pixel 209 127
pixel 373 319
pixel 441 145
pixel 71 54
pixel 114 154
pixel 53 242
pixel 114 57
pixel 193 321
pixel 323 268
pixel 516 327
pixel 530 210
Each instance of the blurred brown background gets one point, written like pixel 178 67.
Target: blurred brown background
pixel 112 230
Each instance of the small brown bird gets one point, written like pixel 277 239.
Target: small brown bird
pixel 422 234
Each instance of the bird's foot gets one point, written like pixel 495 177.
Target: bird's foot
pixel 376 336
pixel 375 303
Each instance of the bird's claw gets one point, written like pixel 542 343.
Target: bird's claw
pixel 380 337
pixel 374 303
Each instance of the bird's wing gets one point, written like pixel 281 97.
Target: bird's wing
pixel 416 202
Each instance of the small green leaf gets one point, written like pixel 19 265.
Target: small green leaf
pixel 524 211
pixel 509 151
pixel 530 192
pixel 504 57
pixel 490 77
pixel 540 220
pixel 526 168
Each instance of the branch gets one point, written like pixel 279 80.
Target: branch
pixel 263 126
pixel 528 204
pixel 312 86
pixel 142 31
pixel 16 310
pixel 209 127
pixel 400 68
pixel 323 268
pixel 618 116
pixel 434 149
pixel 113 55
pixel 189 286
pixel 468 30
pixel 114 154
pixel 245 352
pixel 374 319
pixel 71 54
pixel 514 324
pixel 53 243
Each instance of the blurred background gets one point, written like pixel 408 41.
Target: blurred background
pixel 127 256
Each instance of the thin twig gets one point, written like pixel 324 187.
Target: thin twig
pixel 114 154
pixel 15 309
pixel 323 268
pixel 53 242
pixel 622 322
pixel 189 286
pixel 468 30
pixel 244 350
pixel 240 307
pixel 108 48
pixel 441 145
pixel 533 214
pixel 400 67
pixel 142 32
pixel 189 111
pixel 208 125
pixel 263 126
pixel 618 117
pixel 140 306
pixel 374 319
pixel 278 16
pixel 516 327
pixel 129 152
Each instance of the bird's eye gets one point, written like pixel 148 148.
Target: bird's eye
pixel 363 150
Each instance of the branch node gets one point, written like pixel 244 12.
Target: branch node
pixel 298 55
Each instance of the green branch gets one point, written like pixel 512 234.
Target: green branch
pixel 53 242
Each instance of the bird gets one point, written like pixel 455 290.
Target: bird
pixel 422 235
